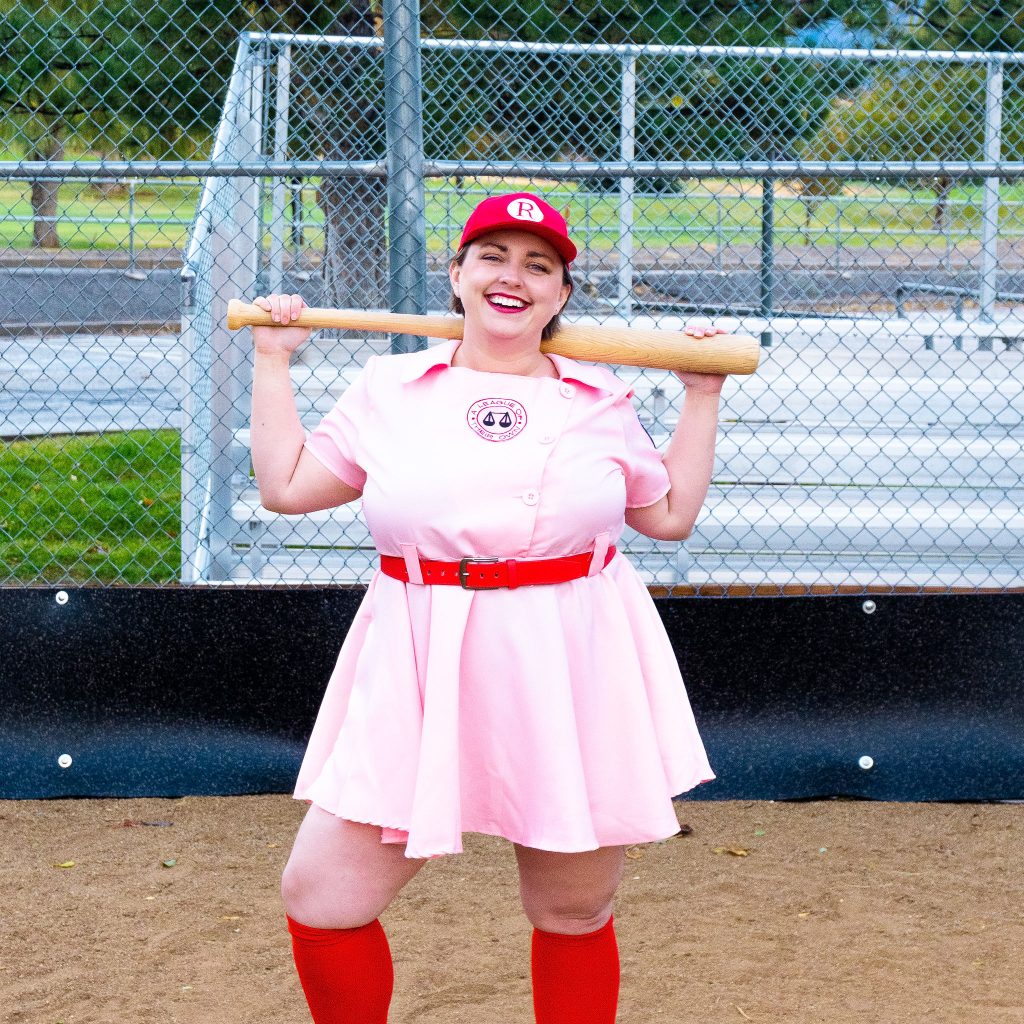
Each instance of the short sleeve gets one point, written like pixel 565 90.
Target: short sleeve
pixel 335 441
pixel 646 476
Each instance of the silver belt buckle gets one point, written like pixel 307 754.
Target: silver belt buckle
pixel 463 575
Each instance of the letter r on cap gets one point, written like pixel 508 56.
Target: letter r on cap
pixel 524 209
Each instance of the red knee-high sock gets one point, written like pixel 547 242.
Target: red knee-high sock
pixel 346 973
pixel 575 977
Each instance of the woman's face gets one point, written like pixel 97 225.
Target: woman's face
pixel 510 283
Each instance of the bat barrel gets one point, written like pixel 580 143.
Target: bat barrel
pixel 657 349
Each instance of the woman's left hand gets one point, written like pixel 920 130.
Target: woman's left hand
pixel 703 383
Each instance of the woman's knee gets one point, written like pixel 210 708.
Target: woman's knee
pixel 298 888
pixel 570 894
pixel 350 901
pixel 340 875
pixel 570 919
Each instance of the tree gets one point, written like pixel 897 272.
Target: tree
pixel 987 25
pixel 925 112
pixel 41 81
pixel 136 77
pixel 919 112
pixel 160 71
pixel 147 78
pixel 557 107
pixel 337 107
pixel 351 118
pixel 966 24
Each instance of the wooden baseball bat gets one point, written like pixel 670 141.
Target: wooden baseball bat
pixel 627 346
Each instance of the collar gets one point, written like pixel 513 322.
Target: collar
pixel 419 364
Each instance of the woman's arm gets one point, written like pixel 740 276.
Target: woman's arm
pixel 290 479
pixel 689 458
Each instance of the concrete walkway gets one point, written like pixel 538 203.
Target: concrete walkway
pixel 86 383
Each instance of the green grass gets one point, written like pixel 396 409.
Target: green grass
pixel 865 216
pixel 871 217
pixel 91 219
pixel 873 214
pixel 91 509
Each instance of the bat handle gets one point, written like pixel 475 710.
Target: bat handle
pixel 247 314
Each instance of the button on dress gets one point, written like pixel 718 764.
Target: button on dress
pixel 553 715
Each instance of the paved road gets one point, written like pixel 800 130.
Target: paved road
pixel 86 296
pixel 105 298
pixel 89 383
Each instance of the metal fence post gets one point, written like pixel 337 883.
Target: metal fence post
pixel 767 256
pixel 407 222
pixel 236 245
pixel 626 184
pixel 275 276
pixel 990 202
pixel 194 320
pixel 837 229
pixel 719 234
pixel 133 272
pixel 199 338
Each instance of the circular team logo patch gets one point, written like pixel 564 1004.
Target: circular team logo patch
pixel 496 419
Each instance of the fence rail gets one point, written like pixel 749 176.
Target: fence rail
pixel 582 170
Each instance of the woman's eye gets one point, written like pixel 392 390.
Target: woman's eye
pixel 539 266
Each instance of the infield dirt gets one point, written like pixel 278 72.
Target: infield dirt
pixel 842 912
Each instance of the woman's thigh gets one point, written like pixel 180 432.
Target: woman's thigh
pixel 340 875
pixel 569 893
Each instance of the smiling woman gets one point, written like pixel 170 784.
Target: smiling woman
pixel 511 287
pixel 545 247
pixel 549 710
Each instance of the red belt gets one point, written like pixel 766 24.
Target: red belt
pixel 493 573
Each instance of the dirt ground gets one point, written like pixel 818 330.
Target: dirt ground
pixel 829 911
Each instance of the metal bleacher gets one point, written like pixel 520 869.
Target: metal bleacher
pixel 869 458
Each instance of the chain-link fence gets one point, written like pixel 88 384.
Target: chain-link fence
pixel 842 180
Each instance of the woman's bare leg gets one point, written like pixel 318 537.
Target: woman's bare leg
pixel 574 956
pixel 340 875
pixel 569 893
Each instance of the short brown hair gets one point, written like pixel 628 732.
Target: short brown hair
pixel 455 303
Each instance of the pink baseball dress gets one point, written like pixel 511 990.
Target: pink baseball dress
pixel 552 715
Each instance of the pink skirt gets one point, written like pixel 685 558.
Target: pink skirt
pixel 554 716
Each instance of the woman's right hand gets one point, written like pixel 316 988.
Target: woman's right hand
pixel 282 339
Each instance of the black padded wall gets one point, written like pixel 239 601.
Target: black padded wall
pixel 197 691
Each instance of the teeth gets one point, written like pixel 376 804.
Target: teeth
pixel 501 300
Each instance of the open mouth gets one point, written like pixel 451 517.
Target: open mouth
pixel 506 303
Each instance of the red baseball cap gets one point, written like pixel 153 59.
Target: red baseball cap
pixel 522 212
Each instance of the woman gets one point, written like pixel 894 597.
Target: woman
pixel 507 672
